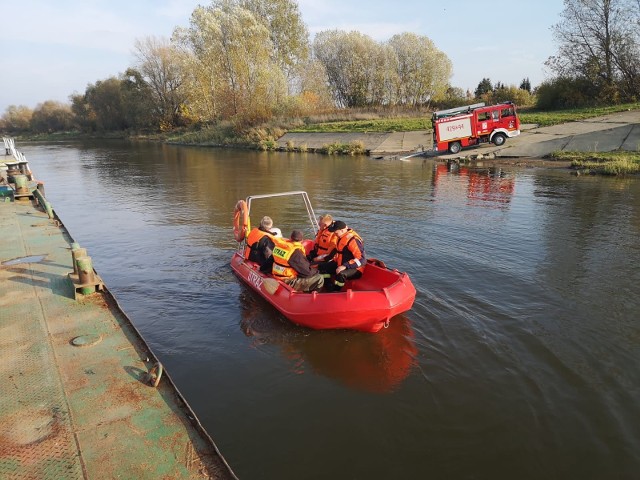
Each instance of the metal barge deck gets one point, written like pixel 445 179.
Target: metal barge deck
pixel 75 398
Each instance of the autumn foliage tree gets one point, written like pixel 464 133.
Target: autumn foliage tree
pixel 52 116
pixel 16 119
pixel 232 52
pixel 420 71
pixel 406 70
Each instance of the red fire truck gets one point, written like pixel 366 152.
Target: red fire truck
pixel 474 124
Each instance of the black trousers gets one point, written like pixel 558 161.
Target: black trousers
pixel 343 276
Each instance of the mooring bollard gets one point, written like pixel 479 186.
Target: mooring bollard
pixel 40 187
pixel 85 274
pixel 21 183
pixel 12 171
pixel 75 254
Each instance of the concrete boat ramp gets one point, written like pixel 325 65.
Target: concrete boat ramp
pixel 619 131
pixel 77 398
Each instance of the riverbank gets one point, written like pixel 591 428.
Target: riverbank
pixel 563 142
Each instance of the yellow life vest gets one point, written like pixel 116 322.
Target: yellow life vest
pixel 281 254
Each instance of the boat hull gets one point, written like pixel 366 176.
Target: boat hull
pixel 366 304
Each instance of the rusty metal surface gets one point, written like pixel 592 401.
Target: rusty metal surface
pixel 81 409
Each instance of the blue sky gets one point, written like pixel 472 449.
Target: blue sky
pixel 51 49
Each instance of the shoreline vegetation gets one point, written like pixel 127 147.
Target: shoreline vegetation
pixel 601 163
pixel 265 137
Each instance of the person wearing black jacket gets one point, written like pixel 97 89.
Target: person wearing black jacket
pixel 292 266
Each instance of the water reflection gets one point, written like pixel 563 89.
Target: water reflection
pixel 375 363
pixel 484 186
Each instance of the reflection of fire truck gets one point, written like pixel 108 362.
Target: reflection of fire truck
pixel 488 187
pixel 474 124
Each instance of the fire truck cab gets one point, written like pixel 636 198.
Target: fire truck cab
pixel 471 125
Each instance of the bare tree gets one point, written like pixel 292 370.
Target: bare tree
pixel 161 67
pixel 598 40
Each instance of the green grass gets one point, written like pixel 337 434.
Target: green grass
pixel 602 163
pixel 548 118
pixel 543 119
pixel 369 126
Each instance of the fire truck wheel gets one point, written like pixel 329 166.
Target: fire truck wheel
pixel 455 147
pixel 499 139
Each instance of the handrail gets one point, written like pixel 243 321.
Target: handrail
pixel 312 216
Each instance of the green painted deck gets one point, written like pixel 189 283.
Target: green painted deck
pixel 87 411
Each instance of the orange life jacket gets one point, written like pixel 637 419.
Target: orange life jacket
pixel 253 238
pixel 351 250
pixel 325 242
pixel 281 254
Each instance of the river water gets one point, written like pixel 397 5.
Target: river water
pixel 520 358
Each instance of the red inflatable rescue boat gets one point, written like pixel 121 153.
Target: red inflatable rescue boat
pixel 366 304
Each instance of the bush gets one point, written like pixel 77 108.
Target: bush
pixel 352 148
pixel 562 93
pixel 520 97
pixel 268 144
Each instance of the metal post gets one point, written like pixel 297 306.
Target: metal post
pixel 77 253
pixel 85 274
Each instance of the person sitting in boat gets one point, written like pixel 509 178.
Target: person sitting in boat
pixel 325 245
pixel 260 243
pixel 349 261
pixel 290 265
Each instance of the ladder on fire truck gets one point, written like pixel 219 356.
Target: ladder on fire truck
pixel 456 111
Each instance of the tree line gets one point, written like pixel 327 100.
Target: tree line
pixel 248 61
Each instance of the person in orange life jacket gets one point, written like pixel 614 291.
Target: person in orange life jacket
pixel 350 258
pixel 290 265
pixel 325 245
pixel 260 243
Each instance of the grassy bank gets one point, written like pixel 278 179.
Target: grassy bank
pixel 527 115
pixel 605 163
pixel 368 126
pixel 546 119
